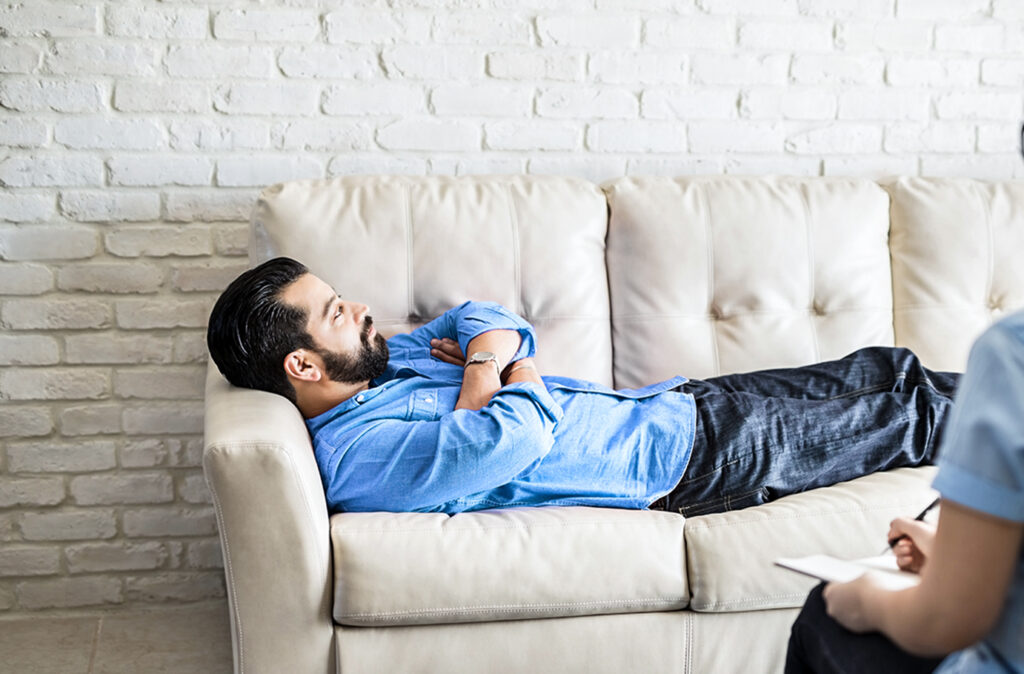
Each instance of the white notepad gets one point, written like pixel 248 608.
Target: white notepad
pixel 830 568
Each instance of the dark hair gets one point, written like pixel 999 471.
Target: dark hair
pixel 251 330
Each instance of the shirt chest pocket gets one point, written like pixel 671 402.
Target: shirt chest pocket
pixel 422 406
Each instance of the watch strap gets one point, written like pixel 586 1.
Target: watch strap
pixel 484 357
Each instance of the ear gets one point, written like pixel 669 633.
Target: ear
pixel 302 365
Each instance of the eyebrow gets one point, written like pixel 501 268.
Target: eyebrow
pixel 327 307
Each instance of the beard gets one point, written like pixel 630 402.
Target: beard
pixel 368 362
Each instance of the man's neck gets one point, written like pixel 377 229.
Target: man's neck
pixel 315 399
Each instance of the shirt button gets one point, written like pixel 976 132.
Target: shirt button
pixel 359 399
pixel 428 399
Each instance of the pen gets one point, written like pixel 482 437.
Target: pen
pixel 918 518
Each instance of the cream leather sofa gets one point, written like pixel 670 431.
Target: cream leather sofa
pixel 627 283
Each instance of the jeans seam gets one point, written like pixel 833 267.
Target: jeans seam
pixel 859 392
pixel 907 379
pixel 725 500
pixel 717 469
pixel 817 443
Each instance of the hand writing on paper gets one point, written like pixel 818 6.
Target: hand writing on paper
pixel 916 540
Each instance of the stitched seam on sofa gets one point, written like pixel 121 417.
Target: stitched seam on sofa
pixel 230 573
pixel 967 306
pixel 321 565
pixel 756 312
pixel 706 210
pixel 802 191
pixel 689 642
pixel 866 509
pixel 572 609
pixel 766 601
pixel 409 275
pixel 504 527
pixel 274 447
pixel 963 306
pixel 534 318
pixel 518 608
pixel 986 205
pixel 517 277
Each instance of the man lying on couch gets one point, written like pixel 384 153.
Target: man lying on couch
pixel 411 424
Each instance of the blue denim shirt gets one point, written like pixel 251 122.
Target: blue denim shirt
pixel 402 446
pixel 981 466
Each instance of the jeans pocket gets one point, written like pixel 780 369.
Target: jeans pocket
pixel 725 503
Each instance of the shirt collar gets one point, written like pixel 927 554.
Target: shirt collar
pixel 344 406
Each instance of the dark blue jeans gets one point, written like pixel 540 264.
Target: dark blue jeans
pixel 763 435
pixel 818 644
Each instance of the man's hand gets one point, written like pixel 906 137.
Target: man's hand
pixel 447 350
pixel 917 539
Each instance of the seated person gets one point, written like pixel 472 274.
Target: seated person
pixel 971 596
pixel 411 424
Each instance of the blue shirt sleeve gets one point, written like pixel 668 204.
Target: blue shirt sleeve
pixel 467 321
pixel 400 465
pixel 981 461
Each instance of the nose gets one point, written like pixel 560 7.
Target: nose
pixel 359 311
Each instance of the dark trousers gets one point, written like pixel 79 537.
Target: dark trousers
pixel 818 644
pixel 766 434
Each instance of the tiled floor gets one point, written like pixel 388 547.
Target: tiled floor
pixel 185 640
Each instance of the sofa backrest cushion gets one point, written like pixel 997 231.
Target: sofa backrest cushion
pixel 713 275
pixel 957 262
pixel 412 247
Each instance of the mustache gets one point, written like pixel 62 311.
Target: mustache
pixel 367 324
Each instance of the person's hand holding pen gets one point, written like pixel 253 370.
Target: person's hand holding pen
pixel 915 542
pixel 911 540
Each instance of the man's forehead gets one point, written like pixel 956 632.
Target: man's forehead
pixel 308 291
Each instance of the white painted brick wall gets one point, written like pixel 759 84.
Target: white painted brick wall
pixel 135 135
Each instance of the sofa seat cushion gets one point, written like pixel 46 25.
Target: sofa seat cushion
pixel 413 568
pixel 731 555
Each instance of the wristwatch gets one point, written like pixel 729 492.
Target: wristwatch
pixel 483 357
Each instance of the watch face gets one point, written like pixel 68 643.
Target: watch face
pixel 482 357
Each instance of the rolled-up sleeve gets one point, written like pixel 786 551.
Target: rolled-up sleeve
pixel 475 318
pixel 467 321
pixel 400 465
pixel 981 461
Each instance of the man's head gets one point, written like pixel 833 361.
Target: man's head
pixel 277 327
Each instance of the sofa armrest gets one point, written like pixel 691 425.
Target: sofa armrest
pixel 274 532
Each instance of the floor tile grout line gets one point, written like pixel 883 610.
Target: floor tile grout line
pixel 95 643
